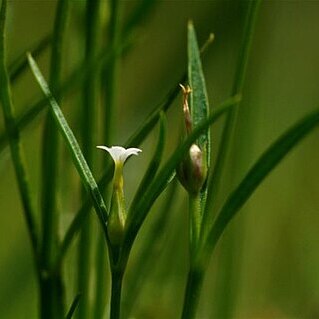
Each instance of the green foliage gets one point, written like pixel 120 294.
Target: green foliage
pixel 73 146
pixel 109 38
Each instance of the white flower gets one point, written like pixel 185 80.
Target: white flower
pixel 119 153
pixel 117 215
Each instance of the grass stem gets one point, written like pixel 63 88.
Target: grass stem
pixel 192 293
pixel 89 110
pixel 116 290
pixel 13 134
pixel 52 292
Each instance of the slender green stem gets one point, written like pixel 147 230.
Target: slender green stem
pixel 111 72
pixel 195 221
pixel 90 101
pixel 116 290
pixel 101 278
pixel 13 134
pixel 52 297
pixel 192 292
pixel 110 84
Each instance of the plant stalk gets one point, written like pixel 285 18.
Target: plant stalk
pixel 116 290
pixel 195 221
pixel 52 291
pixel 89 110
pixel 192 292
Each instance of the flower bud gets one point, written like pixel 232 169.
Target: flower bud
pixel 193 170
pixel 117 217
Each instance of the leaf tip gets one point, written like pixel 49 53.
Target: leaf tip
pixel 190 24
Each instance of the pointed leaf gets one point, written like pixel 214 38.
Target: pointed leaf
pixel 70 140
pixel 198 99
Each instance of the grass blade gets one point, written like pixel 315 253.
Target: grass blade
pixel 52 302
pixel 69 138
pixel 14 140
pixel 259 171
pixel 90 102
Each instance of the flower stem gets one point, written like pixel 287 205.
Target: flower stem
pixel 192 292
pixel 195 221
pixel 117 278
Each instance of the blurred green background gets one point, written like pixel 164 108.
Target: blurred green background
pixel 267 263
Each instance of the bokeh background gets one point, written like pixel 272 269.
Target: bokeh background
pixel 266 264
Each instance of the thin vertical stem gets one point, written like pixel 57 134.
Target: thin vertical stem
pixel 90 101
pixel 101 278
pixel 13 134
pixel 195 221
pixel 116 290
pixel 110 85
pixel 192 292
pixel 52 303
pixel 111 71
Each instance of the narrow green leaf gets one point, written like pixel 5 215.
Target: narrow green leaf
pixel 73 306
pixel 158 184
pixel 69 138
pixel 199 106
pixel 198 99
pixel 259 171
pixel 152 168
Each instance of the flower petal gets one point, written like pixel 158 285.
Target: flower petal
pixel 119 153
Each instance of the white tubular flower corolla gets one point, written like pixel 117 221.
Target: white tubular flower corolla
pixel 119 153
pixel 117 216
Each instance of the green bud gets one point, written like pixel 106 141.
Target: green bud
pixel 192 171
pixel 117 217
